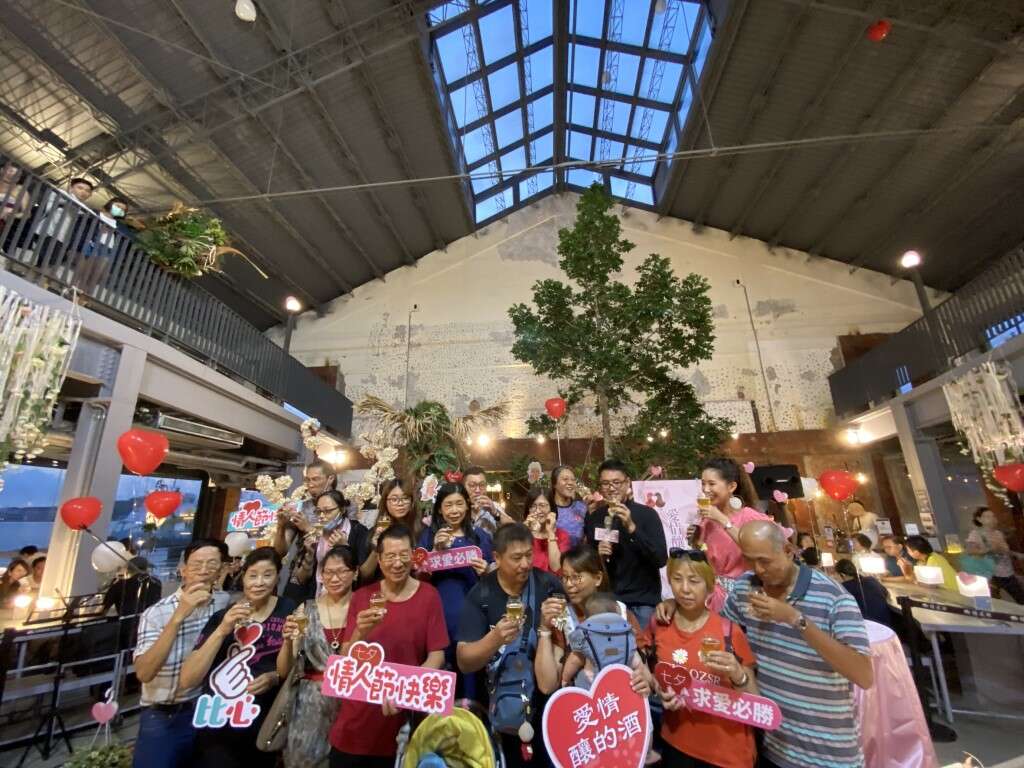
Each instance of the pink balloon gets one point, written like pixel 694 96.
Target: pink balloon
pixel 780 496
pixel 749 467
pixel 104 711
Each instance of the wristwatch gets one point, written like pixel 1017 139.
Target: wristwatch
pixel 800 624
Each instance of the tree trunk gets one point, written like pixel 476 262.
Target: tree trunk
pixel 606 421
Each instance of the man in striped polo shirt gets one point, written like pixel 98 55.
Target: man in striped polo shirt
pixel 810 641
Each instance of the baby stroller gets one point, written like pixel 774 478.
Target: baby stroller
pixel 459 740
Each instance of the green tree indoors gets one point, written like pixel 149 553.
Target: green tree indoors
pixel 622 344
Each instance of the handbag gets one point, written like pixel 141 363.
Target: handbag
pixel 273 733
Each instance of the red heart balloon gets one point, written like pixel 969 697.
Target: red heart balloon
pixel 142 451
pixel 1010 476
pixel 555 407
pixel 371 653
pixel 878 31
pixel 81 512
pixel 838 484
pixel 163 503
pixel 419 557
pixel 614 722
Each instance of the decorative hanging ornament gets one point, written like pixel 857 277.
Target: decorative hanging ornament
pixel 163 503
pixel 878 31
pixel 81 512
pixel 555 407
pixel 838 484
pixel 245 10
pixel 1010 476
pixel 142 451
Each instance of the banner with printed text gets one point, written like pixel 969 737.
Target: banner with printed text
pixel 675 501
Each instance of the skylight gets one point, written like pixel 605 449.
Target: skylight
pixel 630 70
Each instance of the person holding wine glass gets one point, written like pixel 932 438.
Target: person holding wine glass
pixel 569 510
pixel 397 505
pixel 726 502
pixel 333 527
pixel 230 747
pixel 549 541
pixel 315 631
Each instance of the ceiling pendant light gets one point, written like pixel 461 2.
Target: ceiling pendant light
pixel 245 10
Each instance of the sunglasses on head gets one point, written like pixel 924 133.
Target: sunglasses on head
pixel 678 553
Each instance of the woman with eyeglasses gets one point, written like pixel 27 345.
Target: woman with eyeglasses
pixel 315 632
pixel 549 541
pixel 730 503
pixel 332 528
pixel 451 528
pixel 700 645
pixel 397 505
pixel 570 511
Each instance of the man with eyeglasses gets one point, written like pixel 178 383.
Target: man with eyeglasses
pixel 486 513
pixel 630 538
pixel 167 634
pixel 294 523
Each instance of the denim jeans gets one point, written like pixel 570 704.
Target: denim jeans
pixel 165 738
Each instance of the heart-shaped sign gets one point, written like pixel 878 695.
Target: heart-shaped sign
pixel 104 711
pixel 749 467
pixel 608 726
pixel 419 557
pixel 367 653
pixel 968 578
pixel 780 496
pixel 671 676
pixel 247 634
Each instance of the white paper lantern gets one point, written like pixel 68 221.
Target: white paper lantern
pixel 109 556
pixel 238 543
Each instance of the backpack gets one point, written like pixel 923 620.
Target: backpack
pixel 605 639
pixel 510 678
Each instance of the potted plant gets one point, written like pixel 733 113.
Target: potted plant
pixel 188 242
pixel 103 756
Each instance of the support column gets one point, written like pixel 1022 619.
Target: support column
pixel 94 469
pixel 927 476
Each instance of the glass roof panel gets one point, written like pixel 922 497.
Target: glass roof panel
pixel 543 149
pixel 541 69
pixel 541 182
pixel 494 32
pixel 475 145
pixel 703 46
pixel 617 114
pixel 623 81
pixel 543 112
pixel 583 64
pixel 638 193
pixel 579 145
pixel 504 85
pixel 660 80
pixel 634 23
pixel 509 128
pixel 447 11
pixel 581 109
pixel 513 162
pixel 636 162
pixel 484 178
pixel 466 106
pixel 649 124
pixel 452 49
pixel 581 177
pixel 535 20
pixel 493 206
pixel 588 16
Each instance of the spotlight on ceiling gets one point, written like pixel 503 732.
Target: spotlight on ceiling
pixel 293 305
pixel 245 10
pixel 910 259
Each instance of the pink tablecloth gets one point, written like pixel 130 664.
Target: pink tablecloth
pixel 893 729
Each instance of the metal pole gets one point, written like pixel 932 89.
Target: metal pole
pixel 760 357
pixel 408 349
pixel 288 333
pixel 922 296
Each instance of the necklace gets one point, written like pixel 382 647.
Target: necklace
pixel 333 633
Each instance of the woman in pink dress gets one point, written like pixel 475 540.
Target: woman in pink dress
pixel 731 495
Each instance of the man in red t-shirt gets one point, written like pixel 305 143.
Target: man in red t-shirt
pixel 411 630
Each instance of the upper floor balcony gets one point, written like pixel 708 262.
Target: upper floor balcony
pixel 977 318
pixel 53 239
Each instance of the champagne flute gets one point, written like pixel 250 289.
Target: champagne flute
pixel 514 609
pixel 378 602
pixel 301 619
pixel 247 620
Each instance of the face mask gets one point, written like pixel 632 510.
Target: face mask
pixel 117 211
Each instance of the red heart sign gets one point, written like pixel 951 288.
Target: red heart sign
pixel 367 653
pixel 247 634
pixel 419 557
pixel 608 726
pixel 671 675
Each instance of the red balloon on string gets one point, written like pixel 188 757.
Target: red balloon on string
pixel 878 31
pixel 1010 476
pixel 838 484
pixel 142 451
pixel 163 503
pixel 555 407
pixel 81 512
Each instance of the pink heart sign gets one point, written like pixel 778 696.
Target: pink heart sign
pixel 780 496
pixel 104 711
pixel 749 467
pixel 608 726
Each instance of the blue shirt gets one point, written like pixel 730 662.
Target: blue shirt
pixel 570 519
pixel 452 585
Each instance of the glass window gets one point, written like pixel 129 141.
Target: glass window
pixel 497 34
pixel 625 80
pixel 618 112
pixel 660 80
pixel 581 177
pixel 649 124
pixel 452 50
pixel 543 113
pixel 464 105
pixel 493 206
pixel 583 61
pixel 447 11
pixel 581 107
pixel 639 193
pixel 588 17
pixel 703 47
pixel 579 145
pixel 543 149
pixel 513 162
pixel 540 182
pixel 509 128
pixel 634 22
pixel 485 177
pixel 475 144
pixel 541 70
pixel 504 85
pixel 537 14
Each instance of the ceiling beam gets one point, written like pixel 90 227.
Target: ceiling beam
pixel 560 61
pixel 696 124
pixel 758 104
pixel 1013 193
pixel 293 161
pixel 808 112
pixel 339 17
pixel 633 50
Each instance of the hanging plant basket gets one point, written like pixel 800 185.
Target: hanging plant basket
pixel 188 242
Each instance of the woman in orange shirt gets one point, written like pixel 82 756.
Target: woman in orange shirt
pixel 696 739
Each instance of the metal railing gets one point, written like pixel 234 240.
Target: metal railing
pixel 971 320
pixel 59 242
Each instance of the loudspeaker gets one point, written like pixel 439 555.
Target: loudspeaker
pixel 779 477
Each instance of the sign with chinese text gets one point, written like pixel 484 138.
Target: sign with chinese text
pixel 230 704
pixel 606 534
pixel 445 559
pixel 252 515
pixel 675 501
pixel 702 696
pixel 363 675
pixel 608 726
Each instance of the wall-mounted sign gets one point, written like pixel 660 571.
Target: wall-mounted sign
pixel 252 515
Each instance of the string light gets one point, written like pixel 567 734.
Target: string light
pixel 541 439
pixel 862 478
pixel 650 439
pixel 663 433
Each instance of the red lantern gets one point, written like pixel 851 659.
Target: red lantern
pixel 1010 476
pixel 555 407
pixel 838 484
pixel 142 451
pixel 81 512
pixel 878 31
pixel 163 503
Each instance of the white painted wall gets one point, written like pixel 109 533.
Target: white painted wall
pixel 461 334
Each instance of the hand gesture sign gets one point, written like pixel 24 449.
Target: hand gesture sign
pixel 232 677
